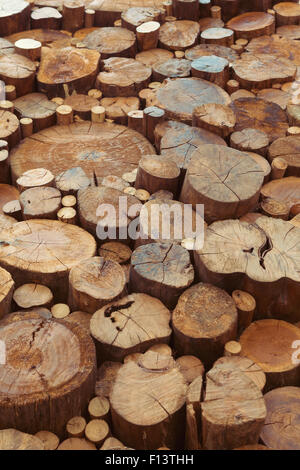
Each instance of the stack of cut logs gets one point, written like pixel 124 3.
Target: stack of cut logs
pixel 162 340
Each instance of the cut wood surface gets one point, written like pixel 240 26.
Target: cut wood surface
pixel 152 222
pixel 117 108
pixel 204 182
pixel 259 114
pixel 280 431
pixel 178 144
pixel 48 37
pixel 7 288
pixel 12 439
pixel 277 46
pixel 289 149
pixel 98 221
pixel 37 107
pixel 259 257
pixel 44 251
pixel 191 367
pixel 250 140
pixel 19 71
pixel 129 325
pixel 49 439
pixel 161 270
pixel 221 36
pixel 211 68
pixel 157 173
pixel 252 25
pixel 46 18
pixel 40 203
pixel 179 35
pixel 280 97
pixel 72 376
pixel 94 283
pixel 63 147
pixel 263 70
pixel 231 394
pixel 106 376
pixel 9 128
pixel 216 118
pixel 75 67
pixel 111 42
pixel 253 371
pixel 286 190
pixel 269 343
pixel 173 68
pixel 154 57
pixel 135 16
pixel 33 295
pixel 179 96
pixel 81 105
pixel 14 16
pixel 204 320
pixel 211 49
pixel 7 193
pixel 291 31
pixel 123 77
pixel 147 403
pixel 287 13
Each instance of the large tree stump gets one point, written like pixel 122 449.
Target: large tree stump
pixel 11 439
pixel 147 403
pixel 179 35
pixel 277 46
pixel 285 190
pixel 98 221
pixel 204 320
pixel 48 37
pixel 179 96
pixel 40 203
pixel 269 343
pixel 19 71
pixel 44 251
pixel 287 13
pixel 94 283
pixel 135 16
pixel 7 288
pixel 280 431
pixel 123 77
pixel 259 114
pixel 111 42
pixel 37 107
pixel 14 16
pixel 99 149
pixel 228 186
pixel 178 144
pixel 252 25
pixel 129 325
pixel 233 411
pixel 261 258
pixel 271 69
pixel 44 393
pixel 253 371
pixel 77 68
pixel 211 50
pixel 289 149
pixel 161 270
